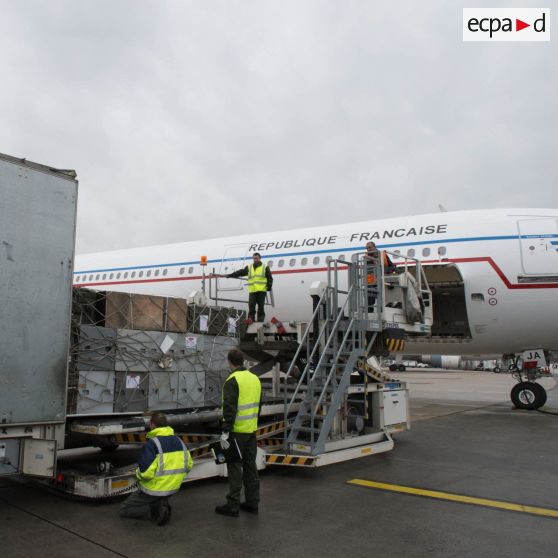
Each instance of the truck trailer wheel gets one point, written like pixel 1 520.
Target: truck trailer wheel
pixel 528 395
pixel 393 367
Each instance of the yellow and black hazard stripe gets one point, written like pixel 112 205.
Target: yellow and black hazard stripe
pixel 139 438
pixel 293 460
pixel 130 438
pixel 194 438
pixel 394 339
pixel 394 345
pixel 268 429
pixel 200 452
pixel 270 442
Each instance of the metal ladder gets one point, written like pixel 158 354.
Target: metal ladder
pixel 343 332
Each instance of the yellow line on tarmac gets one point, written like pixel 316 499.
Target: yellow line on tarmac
pixel 456 498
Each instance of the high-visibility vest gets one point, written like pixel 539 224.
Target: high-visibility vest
pixel 166 472
pixel 371 276
pixel 249 395
pixel 257 281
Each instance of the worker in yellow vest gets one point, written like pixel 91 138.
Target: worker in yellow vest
pixel 163 463
pixel 242 393
pixel 260 281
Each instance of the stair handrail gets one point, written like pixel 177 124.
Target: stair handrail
pixel 330 375
pixel 297 353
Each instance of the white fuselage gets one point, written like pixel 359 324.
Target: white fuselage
pixel 507 259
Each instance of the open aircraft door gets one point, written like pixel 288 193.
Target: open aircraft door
pixel 450 318
pixel 538 238
pixel 235 257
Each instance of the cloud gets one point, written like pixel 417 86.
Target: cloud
pixel 189 120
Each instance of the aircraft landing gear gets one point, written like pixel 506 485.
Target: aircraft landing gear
pixel 528 395
pixel 526 368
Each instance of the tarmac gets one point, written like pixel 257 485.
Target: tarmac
pixel 472 478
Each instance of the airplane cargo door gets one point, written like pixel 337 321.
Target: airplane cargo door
pixel 538 239
pixel 235 257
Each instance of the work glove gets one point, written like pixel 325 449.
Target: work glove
pixel 224 441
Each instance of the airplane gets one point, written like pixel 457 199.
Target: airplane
pixel 493 273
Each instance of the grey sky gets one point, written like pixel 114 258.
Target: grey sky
pixel 188 120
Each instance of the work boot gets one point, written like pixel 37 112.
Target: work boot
pixel 226 510
pixel 164 515
pixel 250 508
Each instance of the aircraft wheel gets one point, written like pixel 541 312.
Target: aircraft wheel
pixel 528 395
pixel 496 370
pixel 401 368
pixel 393 367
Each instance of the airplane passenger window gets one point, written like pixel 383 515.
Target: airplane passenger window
pixel 328 259
pixel 133 274
pixel 104 276
pixel 304 261
pixel 165 271
pixel 140 274
pixel 292 262
pixel 442 251
pixel 77 279
pixel 126 275
pixel 182 270
pixel 397 253
pixel 270 263
pixel 148 273
pixel 411 253
pixel 316 260
pixel 342 257
pixel 111 276
pixel 118 275
pixel 190 270
pixel 281 263
pixel 156 273
pixel 426 251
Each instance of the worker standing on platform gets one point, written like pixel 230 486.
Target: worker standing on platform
pixel 260 281
pixel 372 258
pixel 162 465
pixel 241 407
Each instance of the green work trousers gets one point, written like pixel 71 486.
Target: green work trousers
pixel 244 472
pixel 142 506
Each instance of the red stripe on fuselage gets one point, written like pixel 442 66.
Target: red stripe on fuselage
pixel 488 260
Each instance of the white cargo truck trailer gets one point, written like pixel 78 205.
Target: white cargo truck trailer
pixel 37 232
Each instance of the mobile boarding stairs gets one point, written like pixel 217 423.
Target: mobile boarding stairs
pixel 340 405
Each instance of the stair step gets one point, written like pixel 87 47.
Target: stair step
pixel 307 429
pixel 309 416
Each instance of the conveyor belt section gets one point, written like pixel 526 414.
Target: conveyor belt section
pixel 264 431
pixel 377 375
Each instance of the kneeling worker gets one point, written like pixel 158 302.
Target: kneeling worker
pixel 260 281
pixel 242 393
pixel 162 465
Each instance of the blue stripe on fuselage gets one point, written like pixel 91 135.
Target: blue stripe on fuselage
pixel 316 252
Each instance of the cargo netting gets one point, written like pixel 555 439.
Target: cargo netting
pixel 135 352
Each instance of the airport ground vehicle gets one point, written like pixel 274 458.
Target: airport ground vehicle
pixel 326 400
